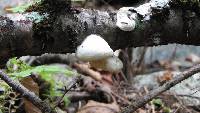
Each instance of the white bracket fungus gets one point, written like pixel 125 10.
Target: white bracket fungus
pixel 127 16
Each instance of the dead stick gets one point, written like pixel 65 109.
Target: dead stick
pixel 66 91
pixel 138 103
pixel 43 106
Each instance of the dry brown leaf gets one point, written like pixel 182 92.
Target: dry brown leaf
pixel 165 63
pixel 165 77
pixel 97 107
pixel 29 83
pixel 7 9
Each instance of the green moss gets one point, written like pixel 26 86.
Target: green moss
pixel 157 102
pixel 53 8
pixel 36 17
pixel 6 91
pixel 139 25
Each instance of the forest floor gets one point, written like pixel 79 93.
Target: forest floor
pixel 94 91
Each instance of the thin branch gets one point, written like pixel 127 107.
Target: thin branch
pixel 43 106
pixel 66 91
pixel 138 103
pixel 80 95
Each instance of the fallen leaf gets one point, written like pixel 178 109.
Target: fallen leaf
pixel 30 84
pixel 165 77
pixel 97 107
pixel 165 63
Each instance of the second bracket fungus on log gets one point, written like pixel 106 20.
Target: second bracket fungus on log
pixel 127 16
pixel 126 19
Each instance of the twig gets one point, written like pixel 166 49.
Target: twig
pixel 183 95
pixel 127 102
pixel 141 58
pixel 195 92
pixel 181 103
pixel 145 99
pixel 77 96
pixel 66 91
pixel 152 107
pixel 43 106
pixel 177 109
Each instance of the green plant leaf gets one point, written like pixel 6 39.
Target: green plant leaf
pixel 157 102
pixel 167 110
pixel 19 69
pixel 41 70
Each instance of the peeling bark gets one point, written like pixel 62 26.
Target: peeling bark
pixel 62 33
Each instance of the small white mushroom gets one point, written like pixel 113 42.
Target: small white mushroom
pixel 93 48
pixel 98 53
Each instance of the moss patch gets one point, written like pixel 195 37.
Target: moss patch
pixel 43 29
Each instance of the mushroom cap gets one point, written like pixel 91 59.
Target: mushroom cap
pixel 111 64
pixel 92 48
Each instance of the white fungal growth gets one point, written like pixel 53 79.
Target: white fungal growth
pixel 156 40
pixel 117 52
pixel 99 54
pixel 159 3
pixel 111 64
pixel 92 48
pixel 126 19
pixel 114 64
pixel 144 9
